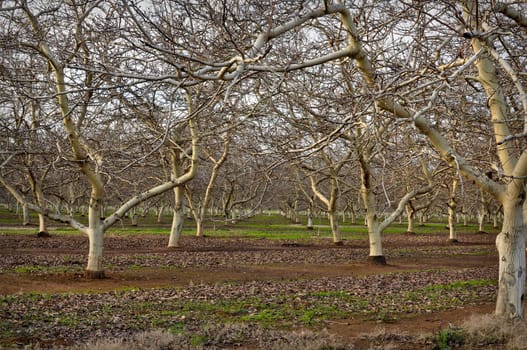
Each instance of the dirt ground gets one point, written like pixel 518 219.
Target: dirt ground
pixel 216 261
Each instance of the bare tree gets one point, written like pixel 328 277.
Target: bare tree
pixel 25 29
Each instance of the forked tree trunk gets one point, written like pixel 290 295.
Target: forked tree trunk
pixel 371 219
pixel 511 249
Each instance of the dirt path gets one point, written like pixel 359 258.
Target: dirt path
pixel 149 277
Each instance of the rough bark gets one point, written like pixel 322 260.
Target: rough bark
pixel 335 229
pixel 410 216
pixel 511 249
pixel 178 218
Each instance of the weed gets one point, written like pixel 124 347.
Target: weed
pixel 198 339
pixel 177 328
pixel 308 317
pixel 495 332
pixel 449 338
pixel 266 317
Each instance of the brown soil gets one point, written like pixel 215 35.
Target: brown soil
pixel 408 254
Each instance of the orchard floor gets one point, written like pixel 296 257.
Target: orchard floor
pixel 236 267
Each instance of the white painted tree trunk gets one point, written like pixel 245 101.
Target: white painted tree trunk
pixel 452 224
pixel 452 208
pixel 410 214
pixel 310 220
pixel 511 249
pixel 25 215
pixel 178 218
pixel 176 229
pixel 481 221
pixel 199 227
pixel 95 267
pixel 160 214
pixel 374 230
pixel 375 242
pixel 42 223
pixel 335 229
pixel 294 214
pixel 375 239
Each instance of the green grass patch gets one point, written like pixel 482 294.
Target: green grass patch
pixel 260 226
pixel 42 269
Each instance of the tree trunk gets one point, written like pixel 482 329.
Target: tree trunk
pixel 452 208
pixel 42 229
pixel 199 227
pixel 375 237
pixel 160 214
pixel 353 217
pixel 495 220
pixel 94 269
pixel 294 213
pixel 335 229
pixel 481 221
pixel 176 229
pixel 374 231
pixel 310 221
pixel 178 217
pixel 511 248
pixel 25 215
pixel 134 219
pixel 452 225
pixel 410 213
